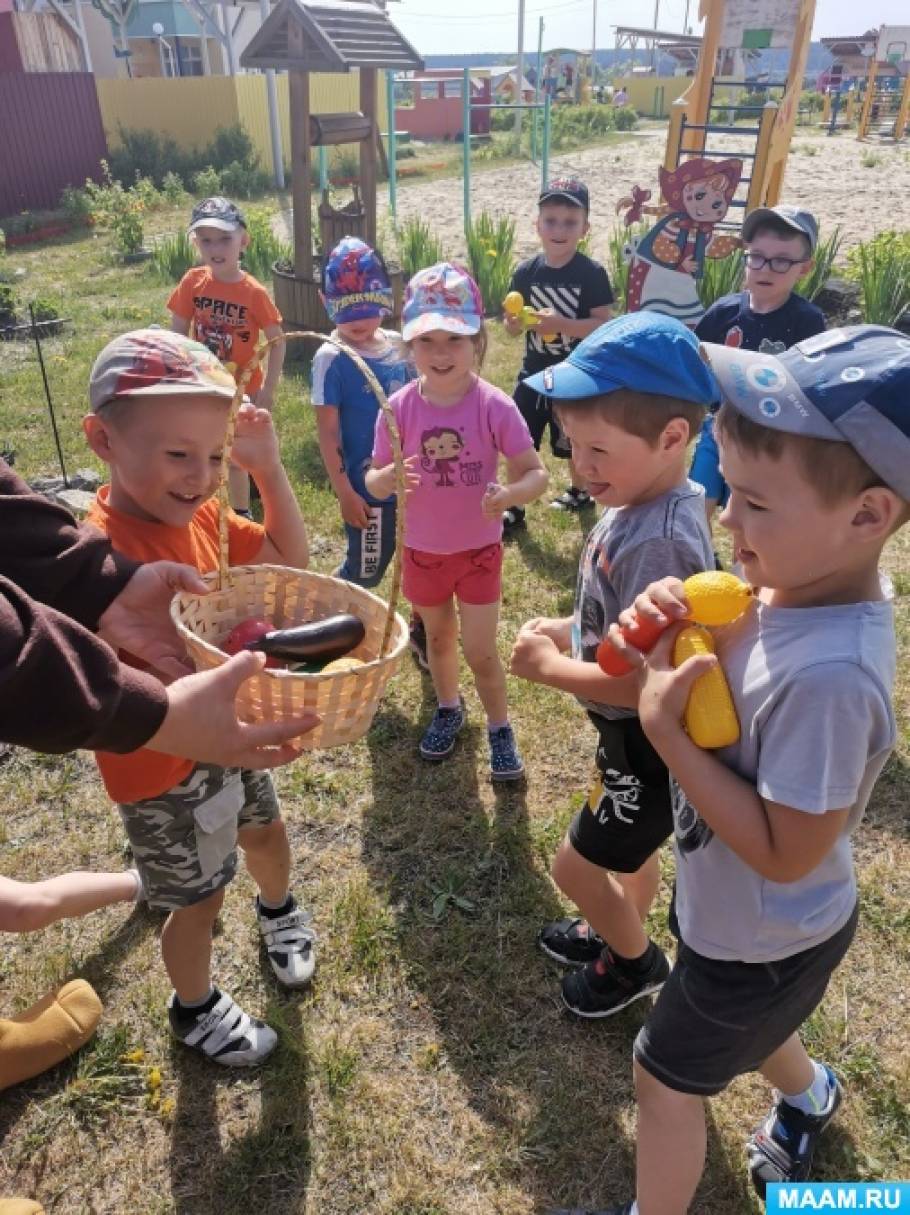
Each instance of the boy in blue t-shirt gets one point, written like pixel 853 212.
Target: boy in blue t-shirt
pixel 768 316
pixel 357 295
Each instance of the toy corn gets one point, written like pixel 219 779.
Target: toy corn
pixel 710 717
pixel 714 598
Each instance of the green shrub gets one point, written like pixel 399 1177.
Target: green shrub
pixel 7 304
pixel 45 309
pixel 144 189
pixel 825 255
pixel 720 276
pixel 172 189
pixel 626 118
pixel 490 256
pixel 618 259
pixel 172 257
pixel 265 248
pixel 881 266
pixel 207 182
pixel 418 246
pixel 243 181
pixel 145 153
pixel 76 205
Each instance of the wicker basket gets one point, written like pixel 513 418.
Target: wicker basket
pixel 345 701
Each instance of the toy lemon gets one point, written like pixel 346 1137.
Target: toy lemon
pixel 513 303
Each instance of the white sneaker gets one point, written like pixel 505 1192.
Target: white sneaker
pixel 225 1034
pixel 289 942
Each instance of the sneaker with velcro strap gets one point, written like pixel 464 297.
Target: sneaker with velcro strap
pixel 289 942
pixel 608 985
pixel 782 1148
pixel 223 1033
pixel 571 941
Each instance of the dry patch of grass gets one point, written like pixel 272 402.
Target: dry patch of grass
pixel 429 1071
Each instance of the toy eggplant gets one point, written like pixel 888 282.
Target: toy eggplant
pixel 323 640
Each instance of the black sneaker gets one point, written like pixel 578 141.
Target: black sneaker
pixel 438 740
pixel 602 988
pixel 513 519
pixel 572 499
pixel 783 1146
pixel 417 642
pixel 573 942
pixel 505 761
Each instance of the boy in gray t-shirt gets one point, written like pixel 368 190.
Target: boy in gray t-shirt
pixel 815 445
pixel 629 397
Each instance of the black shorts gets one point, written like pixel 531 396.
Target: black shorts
pixel 715 1020
pixel 628 814
pixel 537 411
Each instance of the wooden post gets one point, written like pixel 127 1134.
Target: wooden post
pixel 866 112
pixel 299 96
pixel 368 152
pixel 758 194
pixel 903 114
pixel 674 134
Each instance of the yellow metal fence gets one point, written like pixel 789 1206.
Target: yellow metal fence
pixel 190 109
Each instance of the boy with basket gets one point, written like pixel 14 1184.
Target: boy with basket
pixel 159 412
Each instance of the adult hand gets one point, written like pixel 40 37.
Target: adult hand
pixel 139 621
pixel 202 722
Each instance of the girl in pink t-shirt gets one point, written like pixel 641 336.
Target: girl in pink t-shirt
pixel 454 427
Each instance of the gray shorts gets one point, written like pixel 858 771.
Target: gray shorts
pixel 185 841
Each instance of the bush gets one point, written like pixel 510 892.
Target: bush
pixel 207 182
pixel 881 266
pixel 7 305
pixel 418 246
pixel 619 256
pixel 76 205
pixel 265 248
pixel 45 309
pixel 243 181
pixel 146 154
pixel 172 257
pixel 172 189
pixel 626 118
pixel 490 256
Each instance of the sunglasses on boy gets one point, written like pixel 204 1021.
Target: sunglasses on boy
pixel 779 265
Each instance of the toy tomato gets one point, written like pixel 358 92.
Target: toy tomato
pixel 246 631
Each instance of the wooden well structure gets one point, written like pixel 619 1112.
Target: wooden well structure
pixel 303 36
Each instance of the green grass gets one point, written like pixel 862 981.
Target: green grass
pixel 429 1070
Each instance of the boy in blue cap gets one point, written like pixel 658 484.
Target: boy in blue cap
pixel 815 446
pixel 629 397
pixel 357 295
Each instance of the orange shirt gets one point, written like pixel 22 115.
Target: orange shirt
pixel 142 774
pixel 226 317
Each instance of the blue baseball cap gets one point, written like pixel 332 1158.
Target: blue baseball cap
pixel 849 385
pixel 645 351
pixel 355 282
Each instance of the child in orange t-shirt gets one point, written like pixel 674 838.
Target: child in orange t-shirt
pixel 226 309
pixel 160 403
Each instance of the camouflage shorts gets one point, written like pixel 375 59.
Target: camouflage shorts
pixel 185 841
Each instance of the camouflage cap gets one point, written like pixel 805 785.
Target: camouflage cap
pixel 156 362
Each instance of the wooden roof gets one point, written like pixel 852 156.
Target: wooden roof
pixel 338 35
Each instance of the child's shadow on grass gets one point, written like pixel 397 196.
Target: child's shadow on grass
pixel 548 561
pixel 469 892
pixel 265 1169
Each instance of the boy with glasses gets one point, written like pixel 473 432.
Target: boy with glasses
pixel 768 316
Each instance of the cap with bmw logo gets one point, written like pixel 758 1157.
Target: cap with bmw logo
pixel 849 385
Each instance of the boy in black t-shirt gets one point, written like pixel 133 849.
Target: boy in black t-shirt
pixel 768 316
pixel 571 295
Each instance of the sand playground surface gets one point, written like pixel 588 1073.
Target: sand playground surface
pixel 824 174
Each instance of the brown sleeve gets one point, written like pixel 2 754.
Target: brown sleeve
pixel 53 559
pixel 62 688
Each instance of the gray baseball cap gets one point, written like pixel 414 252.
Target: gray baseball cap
pixel 849 385
pixel 802 222
pixel 157 362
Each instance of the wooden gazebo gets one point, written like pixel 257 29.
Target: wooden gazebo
pixel 304 36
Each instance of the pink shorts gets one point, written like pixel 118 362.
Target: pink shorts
pixel 431 579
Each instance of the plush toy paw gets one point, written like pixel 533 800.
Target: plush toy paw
pixel 45 1034
pixel 20 1206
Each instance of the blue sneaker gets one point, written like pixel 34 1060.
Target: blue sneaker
pixel 505 762
pixel 783 1146
pixel 438 740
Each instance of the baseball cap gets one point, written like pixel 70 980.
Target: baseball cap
pixel 802 222
pixel 566 189
pixel 443 296
pixel 849 385
pixel 216 212
pixel 644 351
pixel 355 282
pixel 156 362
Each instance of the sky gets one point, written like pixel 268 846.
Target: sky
pixel 443 26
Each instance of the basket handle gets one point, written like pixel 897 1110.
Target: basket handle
pixel 224 504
